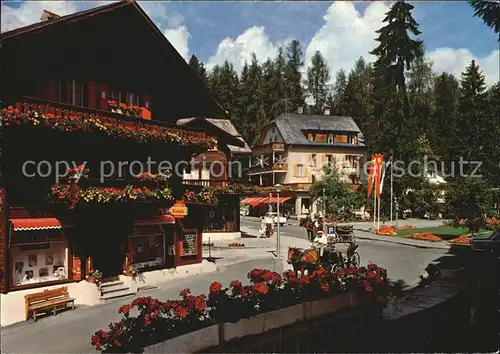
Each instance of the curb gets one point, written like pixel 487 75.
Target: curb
pixel 403 243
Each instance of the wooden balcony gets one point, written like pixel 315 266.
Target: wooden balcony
pixel 277 167
pixel 115 123
pixel 214 183
pixel 268 148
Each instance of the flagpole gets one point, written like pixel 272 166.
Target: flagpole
pixel 374 210
pixel 378 212
pixel 392 195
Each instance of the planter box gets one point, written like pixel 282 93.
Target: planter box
pixel 192 342
pixel 245 327
pixel 283 317
pixel 450 273
pixel 327 306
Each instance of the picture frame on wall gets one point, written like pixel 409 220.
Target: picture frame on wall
pixel 19 266
pixel 32 260
pixel 49 259
pixel 29 274
pixel 43 272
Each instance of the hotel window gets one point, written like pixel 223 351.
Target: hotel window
pixel 73 92
pixel 331 139
pixel 313 160
pixel 300 170
pixel 329 160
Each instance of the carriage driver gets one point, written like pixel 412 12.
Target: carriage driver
pixel 320 242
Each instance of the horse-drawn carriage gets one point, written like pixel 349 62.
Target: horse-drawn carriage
pixel 340 237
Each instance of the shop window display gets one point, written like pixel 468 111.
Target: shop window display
pixel 39 256
pixel 148 246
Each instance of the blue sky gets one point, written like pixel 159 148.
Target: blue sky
pixel 342 31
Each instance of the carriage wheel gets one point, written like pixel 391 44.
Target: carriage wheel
pixel 335 268
pixel 355 260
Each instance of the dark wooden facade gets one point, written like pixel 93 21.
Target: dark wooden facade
pixel 77 63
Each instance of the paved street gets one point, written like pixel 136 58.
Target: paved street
pixel 404 263
pixel 70 331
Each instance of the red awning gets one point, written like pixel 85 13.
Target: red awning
pixel 258 201
pixel 156 220
pixel 245 201
pixel 36 224
pixel 284 199
pixel 274 200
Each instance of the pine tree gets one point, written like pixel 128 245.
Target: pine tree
pixel 337 102
pixel 198 68
pixel 395 53
pixel 294 76
pixel 318 76
pixel 473 117
pixel 489 11
pixel 443 128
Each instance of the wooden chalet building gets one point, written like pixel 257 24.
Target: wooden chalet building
pixel 218 170
pixel 96 88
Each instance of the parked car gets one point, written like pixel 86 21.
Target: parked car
pixel 274 216
pixel 486 243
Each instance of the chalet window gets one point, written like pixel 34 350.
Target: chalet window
pixel 331 139
pixel 313 160
pixel 329 160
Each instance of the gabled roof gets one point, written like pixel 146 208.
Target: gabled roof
pixel 224 125
pixel 80 16
pixel 292 127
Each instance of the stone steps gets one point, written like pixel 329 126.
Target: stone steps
pixel 115 289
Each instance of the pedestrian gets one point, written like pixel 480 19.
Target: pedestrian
pixel 262 229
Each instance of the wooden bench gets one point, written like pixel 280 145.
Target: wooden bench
pixel 47 300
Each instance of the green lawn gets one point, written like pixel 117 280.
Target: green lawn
pixel 445 232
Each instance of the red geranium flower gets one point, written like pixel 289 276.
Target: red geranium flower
pixel 215 287
pixel 261 288
pixel 181 312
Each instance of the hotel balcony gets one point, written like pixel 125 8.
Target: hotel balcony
pixel 268 148
pixel 215 183
pixel 277 167
pixel 297 186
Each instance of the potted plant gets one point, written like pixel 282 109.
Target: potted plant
pixel 95 277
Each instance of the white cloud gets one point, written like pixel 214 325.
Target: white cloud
pixel 454 62
pixel 346 35
pixel 29 12
pixel 179 38
pixel 239 50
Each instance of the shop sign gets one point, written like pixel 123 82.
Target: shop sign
pixel 179 210
pixel 189 243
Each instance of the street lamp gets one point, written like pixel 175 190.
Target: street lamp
pixel 277 188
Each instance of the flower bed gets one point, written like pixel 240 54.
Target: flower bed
pixel 147 321
pixel 236 244
pixel 64 193
pixel 122 108
pixel 407 227
pixel 69 121
pixel 461 240
pixel 427 236
pixel 387 230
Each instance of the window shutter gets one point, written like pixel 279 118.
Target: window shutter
pixel 92 93
pixel 295 170
pixel 305 171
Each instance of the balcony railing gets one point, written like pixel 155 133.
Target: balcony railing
pixel 214 183
pixel 277 167
pixel 30 111
pixel 297 186
pixel 268 148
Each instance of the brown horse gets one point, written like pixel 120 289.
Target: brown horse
pixel 308 224
pixel 303 259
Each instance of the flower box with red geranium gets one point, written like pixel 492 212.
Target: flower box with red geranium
pixel 270 301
